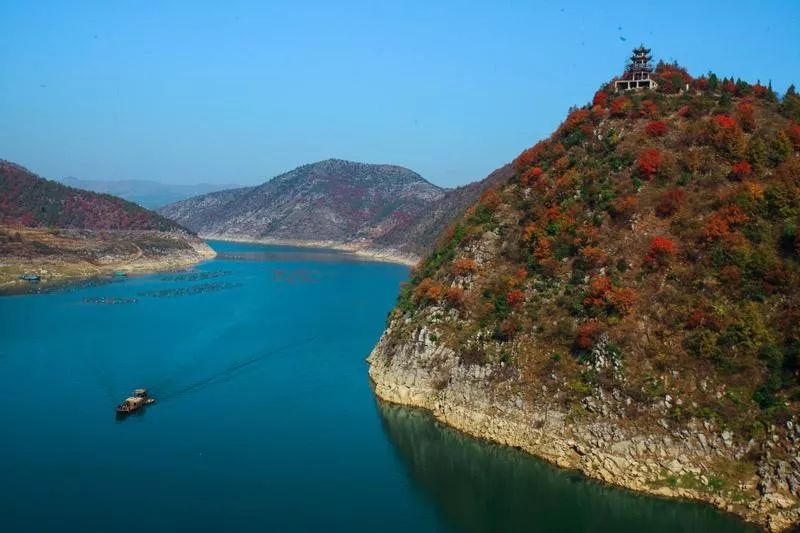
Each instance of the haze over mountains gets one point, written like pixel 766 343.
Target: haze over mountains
pixel 383 208
pixel 147 193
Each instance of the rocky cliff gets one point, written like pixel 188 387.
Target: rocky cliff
pixel 627 303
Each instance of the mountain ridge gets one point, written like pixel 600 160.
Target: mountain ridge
pixel 378 209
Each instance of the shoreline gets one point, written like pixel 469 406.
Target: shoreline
pixel 75 259
pixel 418 373
pixel 376 254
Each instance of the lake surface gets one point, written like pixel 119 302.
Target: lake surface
pixel 265 419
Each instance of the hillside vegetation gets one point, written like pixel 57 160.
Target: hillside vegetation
pixel 649 245
pixel 29 200
pixel 381 208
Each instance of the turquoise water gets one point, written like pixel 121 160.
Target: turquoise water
pixel 265 419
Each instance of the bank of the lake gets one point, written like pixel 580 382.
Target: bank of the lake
pixel 360 249
pixel 60 257
pixel 266 419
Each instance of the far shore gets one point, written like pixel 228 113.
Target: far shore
pixel 361 250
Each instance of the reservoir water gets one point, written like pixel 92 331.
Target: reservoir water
pixel 265 418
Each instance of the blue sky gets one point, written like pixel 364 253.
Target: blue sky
pixel 239 92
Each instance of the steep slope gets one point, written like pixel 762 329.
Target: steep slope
pixel 60 233
pixel 382 208
pixel 146 193
pixel 628 303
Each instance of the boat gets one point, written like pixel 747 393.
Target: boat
pixel 31 278
pixel 133 403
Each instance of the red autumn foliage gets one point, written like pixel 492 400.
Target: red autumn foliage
pixel 648 108
pixel 729 87
pixel 599 287
pixel 656 128
pixel 575 118
pixel 700 319
pixel 620 106
pixel 671 78
pixel 594 256
pixel 746 115
pixel 588 332
pixel 490 199
pixel 759 90
pixel 463 266
pixel 661 251
pixel 624 206
pixel 725 122
pixel 428 290
pixel 600 98
pixel 670 202
pixel 543 249
pixel 649 162
pixel 793 132
pixel 515 298
pixel 531 176
pixel 741 170
pixel 623 299
pixel 529 156
pixel 701 83
pixel 719 224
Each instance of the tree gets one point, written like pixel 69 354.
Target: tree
pixel 661 251
pixel 588 333
pixel 649 162
pixel 622 299
pixel 670 202
pixel 600 98
pixel 515 298
pixel 428 290
pixel 648 108
pixel 463 266
pixel 741 170
pixel 656 128
pixel 620 106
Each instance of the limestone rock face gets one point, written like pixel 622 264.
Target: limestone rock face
pixel 413 369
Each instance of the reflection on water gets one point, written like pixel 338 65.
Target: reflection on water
pixel 478 486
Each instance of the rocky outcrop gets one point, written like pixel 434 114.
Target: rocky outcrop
pixel 600 439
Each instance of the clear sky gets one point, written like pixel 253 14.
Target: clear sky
pixel 234 91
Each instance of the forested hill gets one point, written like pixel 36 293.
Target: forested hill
pixel 642 261
pixel 30 200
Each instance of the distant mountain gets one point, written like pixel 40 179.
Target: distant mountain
pixel 149 194
pixel 29 200
pixel 376 207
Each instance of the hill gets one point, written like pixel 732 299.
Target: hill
pixel 30 200
pixel 146 193
pixel 61 234
pixel 382 208
pixel 628 303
